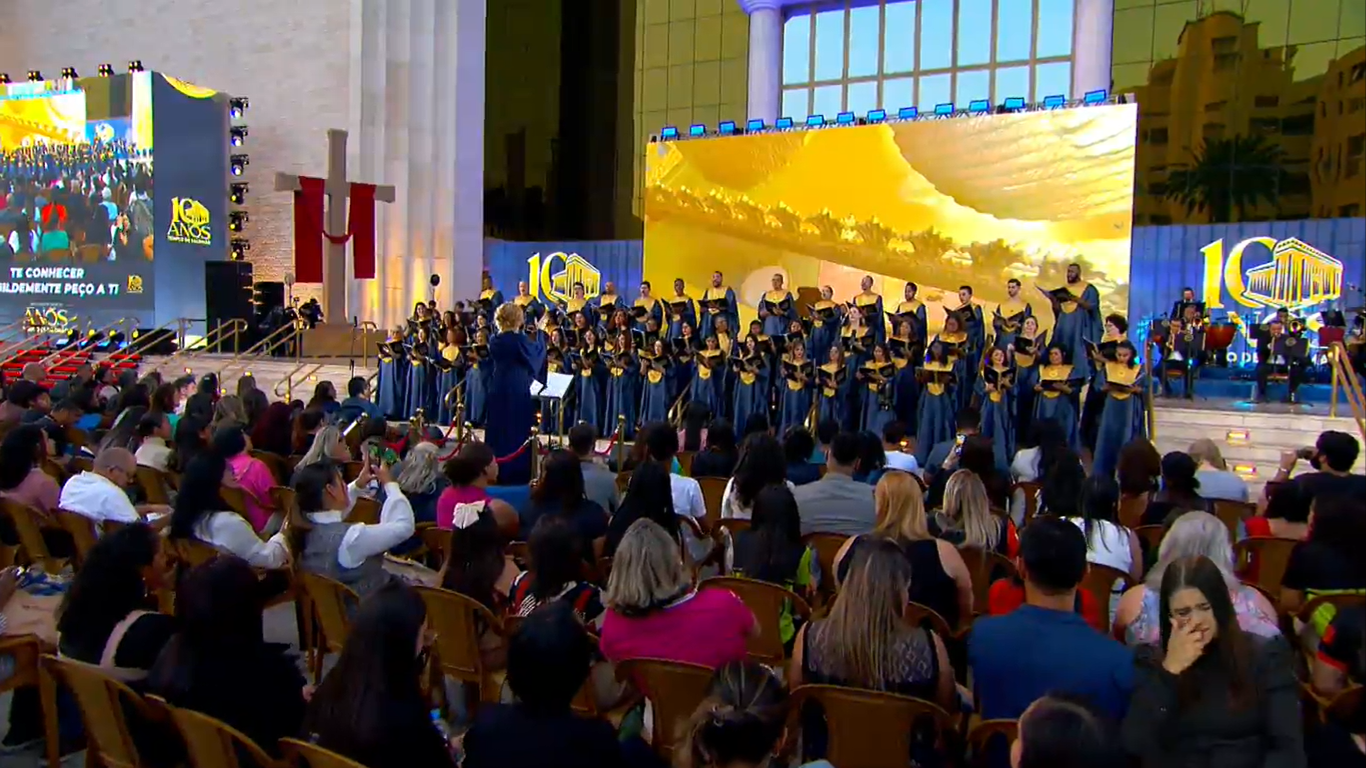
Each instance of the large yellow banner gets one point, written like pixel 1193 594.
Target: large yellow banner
pixel 942 203
pixel 50 118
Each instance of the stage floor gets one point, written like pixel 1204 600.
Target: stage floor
pixel 270 373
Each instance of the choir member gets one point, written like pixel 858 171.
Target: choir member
pixel 834 383
pixel 478 371
pixel 907 350
pixel 751 367
pixel 876 376
pixel 452 369
pixel 681 310
pixel 490 298
pixel 938 402
pixel 1076 307
pixel 656 393
pixel 796 395
pixel 422 375
pixel 647 307
pixel 1026 347
pixel 1058 380
pixel 622 378
pixel 1010 314
pixel 996 391
pixel 777 308
pixel 718 303
pixel 708 384
pixel 529 304
pixel 393 376
pixel 592 388
pixel 1123 417
pixel 868 305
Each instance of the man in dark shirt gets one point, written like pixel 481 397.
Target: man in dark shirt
pixel 969 423
pixel 1333 456
pixel 1044 645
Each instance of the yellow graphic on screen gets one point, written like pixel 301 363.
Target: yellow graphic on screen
pixel 189 222
pixel 42 118
pixel 1297 277
pixel 557 285
pixel 135 283
pixel 942 203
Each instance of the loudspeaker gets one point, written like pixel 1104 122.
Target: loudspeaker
pixel 227 292
pixel 269 295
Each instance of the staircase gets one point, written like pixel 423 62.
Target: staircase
pixel 62 364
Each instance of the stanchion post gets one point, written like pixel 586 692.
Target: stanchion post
pixel 620 440
pixel 1333 361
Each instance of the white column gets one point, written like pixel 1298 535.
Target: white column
pixel 1091 40
pixel 466 87
pixel 765 57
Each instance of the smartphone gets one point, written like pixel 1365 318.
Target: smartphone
pixel 1305 454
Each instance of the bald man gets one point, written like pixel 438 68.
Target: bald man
pixel 35 373
pixel 102 494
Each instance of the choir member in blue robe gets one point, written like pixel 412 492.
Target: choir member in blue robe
pixel 974 325
pixel 825 325
pixel 956 349
pixel 996 392
pixel 557 360
pixel 907 350
pixel 623 384
pixel 796 392
pixel 1058 380
pixel 577 303
pixel 832 388
pixel 1076 309
pixel 857 340
pixel 868 306
pixel 647 307
pixel 422 376
pixel 607 304
pixel 1025 351
pixel 477 371
pixel 912 309
pixel 1123 417
pixel 490 298
pixel 531 306
pixel 514 359
pixel 592 387
pixel 452 370
pixel 937 416
pixel 751 368
pixel 1116 328
pixel 1010 314
pixel 684 351
pixel 656 391
pixel 796 334
pixel 876 377
pixel 681 309
pixel 718 302
pixel 393 377
pixel 777 308
pixel 709 379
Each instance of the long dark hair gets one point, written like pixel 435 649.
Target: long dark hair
pixel 650 497
pixel 475 561
pixel 775 548
pixel 556 556
pixel 761 464
pixel 124 433
pixel 19 453
pixel 1138 467
pixel 108 587
pixel 218 608
pixel 272 431
pixel 1229 649
pixel 1099 503
pixel 189 440
pixel 1060 488
pixel 199 493
pixel 376 682
pixel 695 418
pixel 255 403
pixel 561 481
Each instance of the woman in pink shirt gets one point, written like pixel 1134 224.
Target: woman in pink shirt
pixel 251 474
pixel 653 610
pixel 471 472
pixel 21 476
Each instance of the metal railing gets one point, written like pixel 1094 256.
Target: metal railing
pixel 20 325
pixel 215 337
pixel 27 344
pixel 1148 411
pixel 275 340
pixel 1345 378
pixel 365 328
pixel 123 325
pixel 303 371
pixel 144 339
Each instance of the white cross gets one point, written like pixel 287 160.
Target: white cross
pixel 338 188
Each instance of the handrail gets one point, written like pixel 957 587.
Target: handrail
pixel 675 416
pixel 216 336
pixel 288 380
pixel 26 344
pixel 146 338
pixel 1344 376
pixel 1148 411
pixel 273 341
pixel 19 325
pixel 619 439
pixel 103 331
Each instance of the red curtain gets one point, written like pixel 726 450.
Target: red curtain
pixel 362 230
pixel 308 231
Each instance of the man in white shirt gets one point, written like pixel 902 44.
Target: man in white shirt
pixel 100 495
pixel 662 442
pixel 893 440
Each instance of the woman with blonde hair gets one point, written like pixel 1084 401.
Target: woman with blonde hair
pixel 1194 534
pixel 422 481
pixel 1216 481
pixel 967 520
pixel 942 581
pixel 516 359
pixel 328 445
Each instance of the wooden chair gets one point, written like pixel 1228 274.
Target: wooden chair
pixel 105 704
pixel 305 755
pixel 235 498
pixel 713 488
pixel 275 463
pixel 1030 490
pixel 437 542
pixel 983 737
pixel 329 602
pixel 1151 535
pixel 29 524
pixel 81 464
pixel 918 615
pixel 365 510
pixel 685 462
pixel 674 689
pixel 192 552
pixel 54 470
pixel 872 729
pixel 212 743
pixel 25 653
pixel 767 601
pixel 1270 557
pixel 730 525
pixel 1100 581
pixel 826 545
pixel 623 482
pixel 1131 509
pixel 459 622
pixel 1232 514
pixel 982 565
pixel 282 496
pixel 152 483
pixel 1306 616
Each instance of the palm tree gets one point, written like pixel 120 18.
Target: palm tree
pixel 1225 174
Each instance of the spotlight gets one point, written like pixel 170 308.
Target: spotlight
pixel 34 75
pixel 238 192
pixel 239 164
pixel 1093 98
pixel 815 121
pixel 979 106
pixel 240 246
pixel 238 106
pixel 844 118
pixel 726 127
pixel 1054 102
pixel 943 110
pixel 237 135
pixel 69 73
pixel 135 65
pixel 877 115
pixel 106 70
pixel 1014 103
pixel 697 131
pixel 669 133
pixel 907 113
pixel 783 123
pixel 756 124
pixel 4 78
pixel 237 220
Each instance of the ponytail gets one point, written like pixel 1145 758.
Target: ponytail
pixel 740 721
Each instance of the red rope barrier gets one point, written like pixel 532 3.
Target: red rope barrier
pixel 514 455
pixel 455 450
pixel 399 446
pixel 610 443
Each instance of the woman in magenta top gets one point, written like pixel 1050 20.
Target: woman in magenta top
pixel 251 474
pixel 471 472
pixel 653 610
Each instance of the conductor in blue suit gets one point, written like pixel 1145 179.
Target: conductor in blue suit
pixel 510 410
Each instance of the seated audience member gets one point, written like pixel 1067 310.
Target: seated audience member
pixel 1107 542
pixel 471 471
pixel 1286 515
pixel 219 663
pixel 756 422
pixel 153 430
pixel 560 492
pixel 761 465
pixel 599 482
pixel 649 496
pixel 1208 688
pixel 1216 481
pixel 357 402
pixel 1138 469
pixel 1060 732
pixel 272 430
pixel 894 445
pixel 826 429
pixel 555 573
pixel 1044 646
pixel 477 567
pixel 797 448
pixel 191 439
pixel 967 520
pixel 107 616
pixel 101 494
pixel 1341 657
pixel 941 579
pixel 772 551
pixel 307 424
pixel 124 432
pixel 655 612
pixel 327 445
pixel 693 435
pixel 719 457
pixel 740 724
pixel 370 707
pixel 1329 561
pixel 1060 489
pixel 254 403
pixel 250 473
pixel 1333 456
pixel 661 444
pixel 1042 447
pixel 200 404
pixel 1137 616
pixel 18 399
pixel 200 513
pixel 320 540
pixel 1008 594
pixel 872 459
pixel 166 399
pixel 1180 492
pixel 325 399
pixel 421 481
pixel 969 422
pixel 549 656
pixel 229 411
pixel 978 458
pixel 62 427
pixel 837 503
pixel 22 478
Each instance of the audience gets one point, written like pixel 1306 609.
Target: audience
pixel 894 445
pixel 1180 491
pixel 1041 448
pixel 555 573
pixel 200 513
pixel 967 520
pixel 477 567
pixel 471 471
pixel 648 497
pixel 1333 456
pixel 837 503
pixel 719 457
pixel 826 429
pixel 1138 469
pixel 327 445
pixel 1286 515
pixel 742 723
pixel 693 436
pixel 324 399
pixel 797 448
pixel 599 482
pixel 1059 731
pixel 249 473
pixel 1060 490
pixel 1216 481
pixel 560 492
pixel 772 551
pixel 1208 688
pixel 357 402
pixel 22 478
pixel 1107 542
pixel 978 457
pixel 254 405
pixel 968 423
pixel 421 480
pixel 153 430
pixel 872 460
pixel 1043 646
pixel 661 444
pixel 229 412
pixel 271 432
pixel 1341 657
pixel 200 404
pixel 102 494
pixel 191 438
pixel 761 465
pixel 1329 561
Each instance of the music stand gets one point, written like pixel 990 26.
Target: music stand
pixel 551 395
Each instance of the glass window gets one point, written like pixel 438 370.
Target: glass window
pixel 974 32
pixel 1014 30
pixel 936 34
pixel 1011 81
pixel 1053 79
pixel 1055 28
pixel 898 37
pixel 897 93
pixel 797 49
pixel 829 45
pixel 935 89
pixel 973 84
pixel 796 102
pixel 864 30
pixel 861 97
pixel 826 100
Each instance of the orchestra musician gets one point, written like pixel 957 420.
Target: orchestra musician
pixel 1010 314
pixel 777 308
pixel 1179 306
pixel 1279 351
pixel 1184 351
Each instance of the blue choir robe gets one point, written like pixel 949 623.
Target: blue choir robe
pixel 870 306
pixel 998 414
pixel 914 311
pixel 825 329
pixel 878 408
pixel 604 307
pixel 1122 419
pixel 727 309
pixel 779 310
pixel 956 348
pixel 906 393
pixel 1007 319
pixel 592 391
pixel 1073 324
pixel 574 305
pixel 447 380
pixel 392 389
pixel 975 327
pixel 709 380
pixel 682 370
pixel 623 396
pixel 421 383
pixel 796 395
pixel 1026 376
pixel 858 348
pixel 490 299
pixel 681 310
pixel 938 408
pixel 1051 403
pixel 476 383
pixel 513 362
pixel 751 388
pixel 530 305
pixel 656 390
pixel 832 393
pixel 652 308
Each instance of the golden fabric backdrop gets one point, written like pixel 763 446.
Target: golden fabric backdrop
pixel 49 119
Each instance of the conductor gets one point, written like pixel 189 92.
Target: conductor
pixel 510 409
